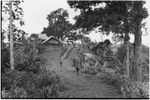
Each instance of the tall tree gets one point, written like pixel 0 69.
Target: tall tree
pixel 59 26
pixel 139 13
pixel 11 37
pixel 109 16
pixel 11 11
pixel 17 18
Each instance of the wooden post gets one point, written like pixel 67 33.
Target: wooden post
pixel 11 36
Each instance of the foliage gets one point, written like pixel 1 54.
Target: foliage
pixel 112 79
pixel 17 17
pixel 29 79
pixel 27 59
pixel 126 87
pixel 16 93
pixel 130 89
pixel 105 17
pixel 40 48
pixel 42 85
pixel 120 55
pixel 36 42
pixel 5 58
pixel 58 26
pixel 140 13
pixel 17 11
pixel 73 36
pixel 119 17
pixel 100 47
pixel 109 16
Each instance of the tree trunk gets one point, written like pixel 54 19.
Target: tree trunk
pixel 126 42
pixel 127 63
pixel 11 37
pixel 137 46
pixel 137 54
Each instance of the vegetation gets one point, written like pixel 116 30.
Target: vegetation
pixel 58 27
pixel 121 18
pixel 127 70
pixel 28 78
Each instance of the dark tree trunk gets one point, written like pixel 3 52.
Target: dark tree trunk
pixel 137 54
pixel 137 44
pixel 127 63
pixel 126 42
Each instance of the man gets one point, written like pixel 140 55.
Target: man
pixel 75 64
pixel 77 70
pixel 60 62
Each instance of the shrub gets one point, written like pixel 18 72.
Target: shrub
pixel 126 87
pixel 14 93
pixel 9 79
pixel 130 89
pixel 28 85
pixel 27 59
pixel 5 60
pixel 29 79
pixel 40 48
pixel 113 79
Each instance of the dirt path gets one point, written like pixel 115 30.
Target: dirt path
pixel 82 86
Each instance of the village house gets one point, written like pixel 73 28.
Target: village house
pixel 52 43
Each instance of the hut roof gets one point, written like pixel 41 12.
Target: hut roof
pixel 89 55
pixel 50 38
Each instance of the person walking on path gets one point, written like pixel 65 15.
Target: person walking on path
pixel 75 65
pixel 60 62
pixel 77 70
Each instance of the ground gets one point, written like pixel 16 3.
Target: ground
pixel 82 86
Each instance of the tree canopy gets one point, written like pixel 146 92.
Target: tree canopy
pixel 109 16
pixel 119 17
pixel 17 20
pixel 58 24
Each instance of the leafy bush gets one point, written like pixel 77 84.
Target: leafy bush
pixel 126 87
pixel 21 84
pixel 113 79
pixel 45 84
pixel 130 89
pixel 5 60
pixel 40 48
pixel 27 59
pixel 14 93
pixel 121 54
pixel 29 79
pixel 9 79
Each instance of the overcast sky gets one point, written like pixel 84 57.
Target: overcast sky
pixel 36 11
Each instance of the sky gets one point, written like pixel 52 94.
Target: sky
pixel 36 11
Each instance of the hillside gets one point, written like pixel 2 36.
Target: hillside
pixel 86 85
pixel 82 86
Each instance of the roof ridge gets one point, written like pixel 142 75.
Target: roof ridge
pixel 50 38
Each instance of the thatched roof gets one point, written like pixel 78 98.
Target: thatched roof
pixel 51 38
